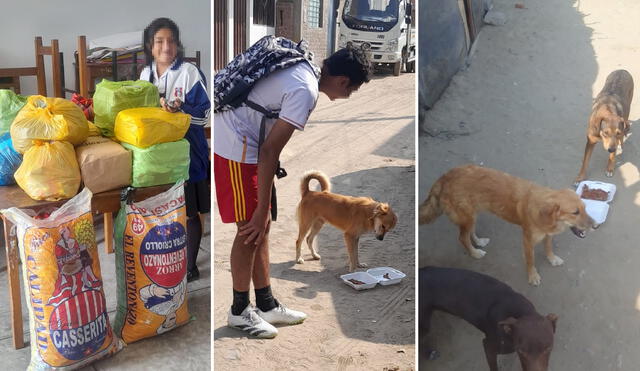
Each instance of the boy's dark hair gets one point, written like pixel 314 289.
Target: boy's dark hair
pixel 351 62
pixel 150 32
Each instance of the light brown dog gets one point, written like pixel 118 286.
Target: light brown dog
pixel 541 212
pixel 609 120
pixel 353 215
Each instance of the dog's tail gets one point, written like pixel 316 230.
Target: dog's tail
pixel 431 208
pixel 325 185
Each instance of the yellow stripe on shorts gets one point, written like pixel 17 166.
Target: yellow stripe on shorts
pixel 234 188
pixel 239 205
pixel 242 200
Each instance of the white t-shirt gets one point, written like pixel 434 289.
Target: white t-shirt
pixel 293 90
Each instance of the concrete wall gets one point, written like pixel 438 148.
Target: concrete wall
pixel 65 20
pixel 288 23
pixel 317 37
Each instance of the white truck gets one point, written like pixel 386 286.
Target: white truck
pixel 384 28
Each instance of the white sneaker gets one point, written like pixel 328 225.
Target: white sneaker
pixel 250 322
pixel 282 315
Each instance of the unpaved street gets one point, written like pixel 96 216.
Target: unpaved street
pixel 522 107
pixel 366 146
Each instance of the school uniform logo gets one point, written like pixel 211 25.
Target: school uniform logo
pixel 177 92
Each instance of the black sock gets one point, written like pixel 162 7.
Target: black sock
pixel 240 302
pixel 264 299
pixel 194 236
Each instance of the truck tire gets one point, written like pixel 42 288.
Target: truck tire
pixel 396 68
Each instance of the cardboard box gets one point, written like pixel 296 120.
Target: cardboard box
pixel 104 165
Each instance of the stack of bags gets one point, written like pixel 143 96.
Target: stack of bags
pixel 44 131
pixel 129 111
pixel 155 137
pixel 112 97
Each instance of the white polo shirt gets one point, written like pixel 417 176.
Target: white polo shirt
pixel 293 90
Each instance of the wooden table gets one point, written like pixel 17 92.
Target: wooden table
pixel 12 196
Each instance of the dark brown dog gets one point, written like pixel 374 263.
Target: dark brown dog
pixel 541 212
pixel 609 120
pixel 509 321
pixel 352 215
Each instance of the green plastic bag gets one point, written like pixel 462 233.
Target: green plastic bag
pixel 112 97
pixel 163 163
pixel 10 105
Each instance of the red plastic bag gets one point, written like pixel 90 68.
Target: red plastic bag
pixel 85 104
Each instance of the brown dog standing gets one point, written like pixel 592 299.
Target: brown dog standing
pixel 353 215
pixel 541 212
pixel 609 120
pixel 509 321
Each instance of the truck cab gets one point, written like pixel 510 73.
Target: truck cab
pixel 383 28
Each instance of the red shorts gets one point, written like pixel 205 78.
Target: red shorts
pixel 236 189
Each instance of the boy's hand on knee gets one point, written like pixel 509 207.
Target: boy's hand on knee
pixel 255 229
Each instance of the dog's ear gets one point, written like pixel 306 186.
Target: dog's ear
pixel 381 209
pixel 505 327
pixel 552 318
pixel 624 126
pixel 384 208
pixel 550 211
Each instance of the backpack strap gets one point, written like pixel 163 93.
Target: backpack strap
pixel 280 172
pixel 268 114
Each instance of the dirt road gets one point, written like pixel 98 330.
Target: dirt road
pixel 366 146
pixel 522 107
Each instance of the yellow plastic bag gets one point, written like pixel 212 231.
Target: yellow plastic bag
pixel 45 118
pixel 49 171
pixel 94 131
pixel 151 265
pixel 146 126
pixel 69 323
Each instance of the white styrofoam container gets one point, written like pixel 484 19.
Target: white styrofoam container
pixel 607 187
pixel 369 280
pixel 597 210
pixel 395 276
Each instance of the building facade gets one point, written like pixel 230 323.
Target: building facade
pixel 240 23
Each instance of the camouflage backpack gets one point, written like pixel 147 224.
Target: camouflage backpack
pixel 233 83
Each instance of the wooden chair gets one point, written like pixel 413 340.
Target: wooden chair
pixel 38 71
pixel 82 75
pixel 195 60
pixel 11 83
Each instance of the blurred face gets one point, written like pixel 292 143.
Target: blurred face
pixel 164 48
pixel 339 87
